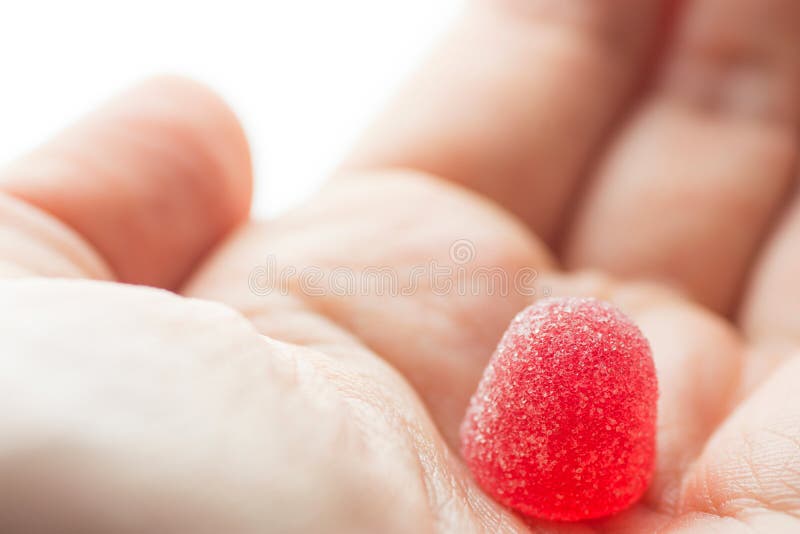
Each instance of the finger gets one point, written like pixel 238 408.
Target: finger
pixel 35 244
pixel 750 469
pixel 149 183
pixel 688 191
pixel 514 101
pixel 771 310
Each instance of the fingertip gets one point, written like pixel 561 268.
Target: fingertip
pixel 152 180
pixel 200 118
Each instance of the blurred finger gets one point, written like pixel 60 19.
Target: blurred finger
pixel 688 192
pixel 515 100
pixel 150 183
pixel 771 310
pixel 35 244
pixel 750 469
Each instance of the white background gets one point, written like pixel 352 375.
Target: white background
pixel 304 76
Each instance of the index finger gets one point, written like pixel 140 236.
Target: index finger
pixel 138 191
pixel 516 98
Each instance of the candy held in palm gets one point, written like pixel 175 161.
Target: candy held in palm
pixel 562 426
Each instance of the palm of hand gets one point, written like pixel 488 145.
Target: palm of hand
pixel 309 429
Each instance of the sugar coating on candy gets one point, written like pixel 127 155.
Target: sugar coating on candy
pixel 562 426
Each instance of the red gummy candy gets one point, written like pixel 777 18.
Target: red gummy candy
pixel 562 426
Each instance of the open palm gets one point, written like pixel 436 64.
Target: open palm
pixel 532 140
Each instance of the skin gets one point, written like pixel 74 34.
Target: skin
pixel 628 150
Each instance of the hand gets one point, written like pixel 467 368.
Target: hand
pixel 129 409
